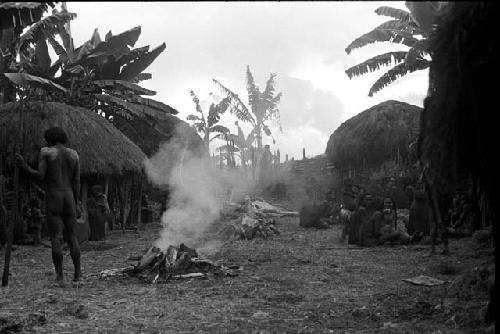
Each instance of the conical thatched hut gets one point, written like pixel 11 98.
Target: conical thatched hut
pixel 376 135
pixel 165 129
pixel 102 148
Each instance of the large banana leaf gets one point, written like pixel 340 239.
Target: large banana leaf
pixel 253 91
pixel 38 30
pixel 396 72
pixel 419 50
pixel 216 110
pixel 27 80
pixel 136 110
pixel 196 101
pixel 398 14
pixel 58 49
pixel 219 129
pixel 139 64
pixel 382 35
pixel 375 63
pixel 141 77
pixel 21 14
pixel 238 108
pixel 154 104
pixel 116 42
pixel 123 85
pixel 42 58
pixel 192 117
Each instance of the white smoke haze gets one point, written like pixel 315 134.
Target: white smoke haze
pixel 198 190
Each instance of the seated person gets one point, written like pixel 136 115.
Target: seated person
pixel 389 232
pixel 348 206
pixel 36 220
pixel 463 221
pixel 367 221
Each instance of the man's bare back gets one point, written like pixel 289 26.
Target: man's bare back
pixel 59 169
pixel 62 165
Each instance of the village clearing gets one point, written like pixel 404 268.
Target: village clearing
pixel 301 281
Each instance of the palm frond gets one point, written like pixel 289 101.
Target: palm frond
pixel 253 91
pixel 36 31
pixel 419 50
pixel 141 77
pixel 21 14
pixel 219 129
pixel 376 63
pixel 196 101
pixel 136 110
pixel 122 85
pixel 382 35
pixel 220 136
pixel 27 80
pixel 396 72
pixel 59 50
pixel 396 13
pixel 192 117
pixel 237 108
pixel 139 64
pixel 153 104
pixel 216 110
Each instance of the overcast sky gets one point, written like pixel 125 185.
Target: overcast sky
pixel 303 42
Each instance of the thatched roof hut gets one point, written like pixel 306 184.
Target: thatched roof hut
pixel 374 135
pixel 102 148
pixel 459 123
pixel 164 130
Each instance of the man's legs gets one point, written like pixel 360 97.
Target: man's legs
pixel 56 237
pixel 74 247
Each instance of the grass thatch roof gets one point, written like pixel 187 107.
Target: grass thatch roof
pixel 150 140
pixel 102 148
pixel 374 135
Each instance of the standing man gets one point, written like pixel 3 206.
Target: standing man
pixel 59 169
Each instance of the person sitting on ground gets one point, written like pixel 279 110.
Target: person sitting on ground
pixel 390 232
pixel 348 206
pixel 36 220
pixel 97 206
pixel 369 229
pixel 462 218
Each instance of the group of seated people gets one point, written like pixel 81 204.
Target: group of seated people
pixel 369 226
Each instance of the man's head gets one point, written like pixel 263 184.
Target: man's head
pixel 55 135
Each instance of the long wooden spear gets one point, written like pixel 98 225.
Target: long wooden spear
pixel 15 209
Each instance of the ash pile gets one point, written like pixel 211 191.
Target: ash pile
pixel 157 266
pixel 252 218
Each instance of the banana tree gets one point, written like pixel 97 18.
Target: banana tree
pixel 207 125
pixel 263 105
pixel 403 29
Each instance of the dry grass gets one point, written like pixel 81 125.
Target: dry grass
pixel 294 282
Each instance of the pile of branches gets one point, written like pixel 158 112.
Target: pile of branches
pixel 158 266
pixel 251 219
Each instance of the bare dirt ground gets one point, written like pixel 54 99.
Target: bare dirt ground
pixel 302 281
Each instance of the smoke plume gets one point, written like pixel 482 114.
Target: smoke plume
pixel 197 192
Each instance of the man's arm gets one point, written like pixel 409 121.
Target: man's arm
pixel 42 165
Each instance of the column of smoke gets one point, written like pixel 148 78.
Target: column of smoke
pixel 197 192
